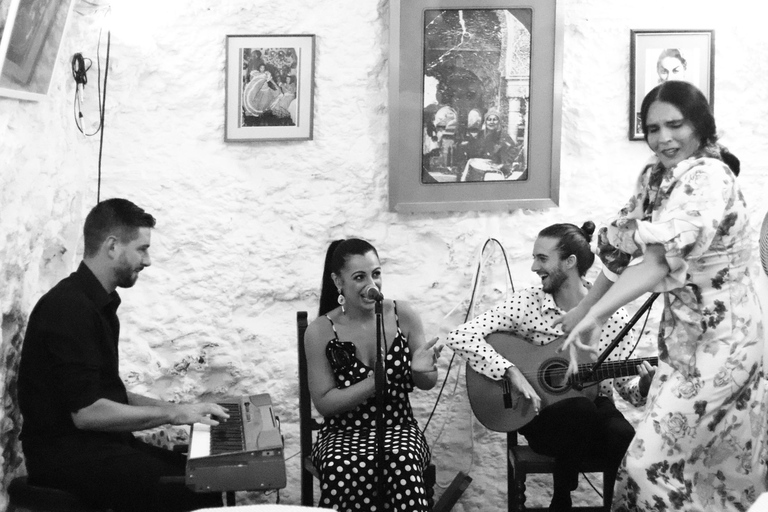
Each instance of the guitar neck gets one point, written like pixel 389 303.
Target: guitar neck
pixel 612 369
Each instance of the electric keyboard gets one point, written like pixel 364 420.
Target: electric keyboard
pixel 243 453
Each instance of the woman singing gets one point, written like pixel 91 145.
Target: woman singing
pixel 341 355
pixel 701 443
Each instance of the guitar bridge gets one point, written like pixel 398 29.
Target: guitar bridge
pixel 506 393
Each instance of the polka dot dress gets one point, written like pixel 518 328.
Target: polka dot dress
pixel 346 445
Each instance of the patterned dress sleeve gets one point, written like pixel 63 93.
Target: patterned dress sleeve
pixel 469 339
pixel 688 213
pixel 617 252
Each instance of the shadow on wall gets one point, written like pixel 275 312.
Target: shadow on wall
pixel 13 327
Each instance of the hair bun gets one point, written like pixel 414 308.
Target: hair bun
pixel 588 228
pixel 730 160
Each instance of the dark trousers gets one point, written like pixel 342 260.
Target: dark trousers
pixel 573 429
pixel 128 481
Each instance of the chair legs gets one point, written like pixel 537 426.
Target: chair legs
pixel 430 477
pixel 515 490
pixel 609 479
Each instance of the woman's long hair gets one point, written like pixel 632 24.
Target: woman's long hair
pixel 692 103
pixel 335 258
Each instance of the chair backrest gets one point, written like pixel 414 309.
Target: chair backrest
pixel 307 424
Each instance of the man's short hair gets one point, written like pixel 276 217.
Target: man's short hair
pixel 115 216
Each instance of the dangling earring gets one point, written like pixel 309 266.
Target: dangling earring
pixel 341 300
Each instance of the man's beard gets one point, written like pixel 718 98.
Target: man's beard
pixel 554 281
pixel 126 276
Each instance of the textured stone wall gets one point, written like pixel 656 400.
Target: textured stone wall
pixel 242 228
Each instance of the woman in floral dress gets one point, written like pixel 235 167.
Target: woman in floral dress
pixel 341 355
pixel 701 445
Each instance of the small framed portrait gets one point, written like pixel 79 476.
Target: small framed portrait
pixel 30 37
pixel 660 55
pixel 475 104
pixel 269 87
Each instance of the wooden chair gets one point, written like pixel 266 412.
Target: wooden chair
pixel 308 425
pixel 523 461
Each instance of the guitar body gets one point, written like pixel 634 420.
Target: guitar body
pixel 542 366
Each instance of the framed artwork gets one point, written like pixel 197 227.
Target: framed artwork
pixel 269 87
pixel 475 104
pixel 660 55
pixel 30 37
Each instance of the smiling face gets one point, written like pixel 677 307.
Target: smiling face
pixel 357 274
pixel 548 264
pixel 493 123
pixel 670 135
pixel 132 257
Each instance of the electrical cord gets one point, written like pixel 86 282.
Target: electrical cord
pixel 80 67
pixel 470 307
pixel 79 74
pixel 481 262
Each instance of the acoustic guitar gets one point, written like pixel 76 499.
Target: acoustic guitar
pixel 499 408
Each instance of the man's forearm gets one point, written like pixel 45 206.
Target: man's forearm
pixel 107 416
pixel 134 399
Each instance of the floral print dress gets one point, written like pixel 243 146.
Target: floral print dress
pixel 701 444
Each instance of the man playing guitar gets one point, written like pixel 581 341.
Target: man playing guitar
pixel 573 428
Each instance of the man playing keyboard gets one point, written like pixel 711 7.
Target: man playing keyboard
pixel 78 415
pixel 575 428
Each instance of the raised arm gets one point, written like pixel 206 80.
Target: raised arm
pixel 327 398
pixel 569 320
pixel 631 284
pixel 424 355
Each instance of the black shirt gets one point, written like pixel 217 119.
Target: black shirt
pixel 69 360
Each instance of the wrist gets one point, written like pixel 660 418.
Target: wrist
pixel 598 318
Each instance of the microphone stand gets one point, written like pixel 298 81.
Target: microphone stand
pixel 646 305
pixel 380 379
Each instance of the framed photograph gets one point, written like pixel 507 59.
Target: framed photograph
pixel 269 87
pixel 30 37
pixel 660 55
pixel 475 104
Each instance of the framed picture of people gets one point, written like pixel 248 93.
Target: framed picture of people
pixel 31 32
pixel 467 95
pixel 660 55
pixel 269 87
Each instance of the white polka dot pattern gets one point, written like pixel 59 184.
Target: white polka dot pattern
pixel 529 314
pixel 346 445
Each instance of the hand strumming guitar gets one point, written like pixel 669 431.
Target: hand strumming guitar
pixel 521 385
pixel 584 336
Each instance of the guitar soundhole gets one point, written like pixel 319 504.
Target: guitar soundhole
pixel 552 376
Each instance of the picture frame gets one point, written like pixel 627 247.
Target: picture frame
pixel 269 87
pixel 659 55
pixel 31 32
pixel 455 65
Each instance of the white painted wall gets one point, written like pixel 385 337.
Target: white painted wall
pixel 242 228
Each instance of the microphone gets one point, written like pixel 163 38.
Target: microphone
pixel 373 293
